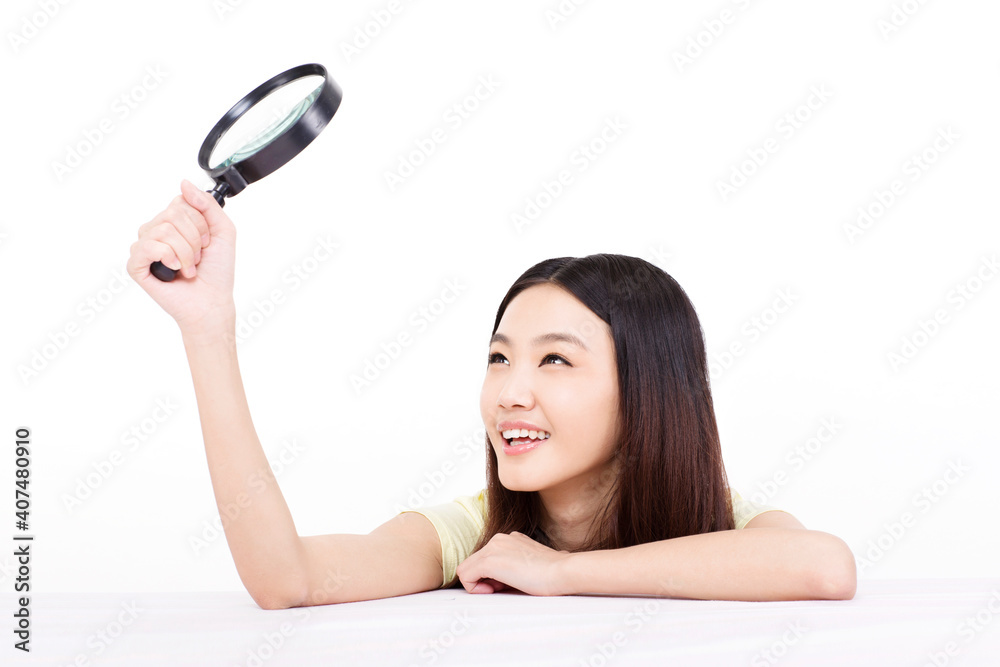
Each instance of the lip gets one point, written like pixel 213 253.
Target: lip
pixel 521 449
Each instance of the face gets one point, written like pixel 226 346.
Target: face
pixel 568 390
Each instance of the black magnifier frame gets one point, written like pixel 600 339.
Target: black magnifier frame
pixel 231 179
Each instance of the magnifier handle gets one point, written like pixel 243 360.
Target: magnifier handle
pixel 164 272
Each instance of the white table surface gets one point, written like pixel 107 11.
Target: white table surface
pixel 889 622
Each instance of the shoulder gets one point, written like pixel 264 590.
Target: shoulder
pixel 463 516
pixel 475 505
pixel 459 524
pixel 744 510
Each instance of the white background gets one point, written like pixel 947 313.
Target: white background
pixel 891 81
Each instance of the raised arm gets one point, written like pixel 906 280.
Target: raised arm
pixel 193 234
pixel 258 524
pixel 278 567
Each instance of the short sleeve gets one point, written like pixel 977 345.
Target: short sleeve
pixel 459 525
pixel 744 510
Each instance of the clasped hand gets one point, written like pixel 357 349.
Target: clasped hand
pixel 515 562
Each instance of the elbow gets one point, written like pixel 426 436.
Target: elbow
pixel 283 597
pixel 270 602
pixel 835 576
pixel 271 590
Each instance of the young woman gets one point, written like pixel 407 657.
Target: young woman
pixel 604 467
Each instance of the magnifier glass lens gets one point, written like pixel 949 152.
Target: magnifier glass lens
pixel 266 120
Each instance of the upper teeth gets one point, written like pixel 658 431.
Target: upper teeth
pixel 524 433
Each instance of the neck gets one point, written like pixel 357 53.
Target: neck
pixel 569 511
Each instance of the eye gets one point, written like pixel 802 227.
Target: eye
pixel 556 356
pixel 497 358
pixel 493 357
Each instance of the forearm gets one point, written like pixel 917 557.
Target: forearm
pixel 749 564
pixel 256 519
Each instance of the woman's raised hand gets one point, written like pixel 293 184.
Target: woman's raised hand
pixel 192 235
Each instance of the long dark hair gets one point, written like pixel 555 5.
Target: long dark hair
pixel 670 480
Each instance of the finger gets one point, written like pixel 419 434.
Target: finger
pixel 146 226
pixel 471 581
pixel 205 204
pixel 189 215
pixel 182 247
pixel 146 251
pixel 482 587
pixel 200 226
pixel 188 221
pixel 192 227
pixel 499 586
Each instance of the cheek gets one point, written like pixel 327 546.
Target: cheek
pixel 597 417
pixel 488 406
pixel 575 407
pixel 487 397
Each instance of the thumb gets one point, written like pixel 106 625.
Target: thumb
pixel 206 205
pixel 482 587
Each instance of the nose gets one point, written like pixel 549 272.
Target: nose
pixel 515 391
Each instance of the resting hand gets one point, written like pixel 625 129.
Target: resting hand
pixel 517 562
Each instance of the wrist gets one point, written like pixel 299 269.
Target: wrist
pixel 567 577
pixel 219 328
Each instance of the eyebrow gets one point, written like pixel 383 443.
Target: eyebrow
pixel 544 338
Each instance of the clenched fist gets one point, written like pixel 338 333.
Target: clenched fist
pixel 196 238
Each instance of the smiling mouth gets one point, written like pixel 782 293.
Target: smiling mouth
pixel 519 441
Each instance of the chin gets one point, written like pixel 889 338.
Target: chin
pixel 517 484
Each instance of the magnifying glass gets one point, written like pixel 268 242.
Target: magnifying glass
pixel 264 130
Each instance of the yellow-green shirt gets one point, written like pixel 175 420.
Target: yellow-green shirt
pixel 461 522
